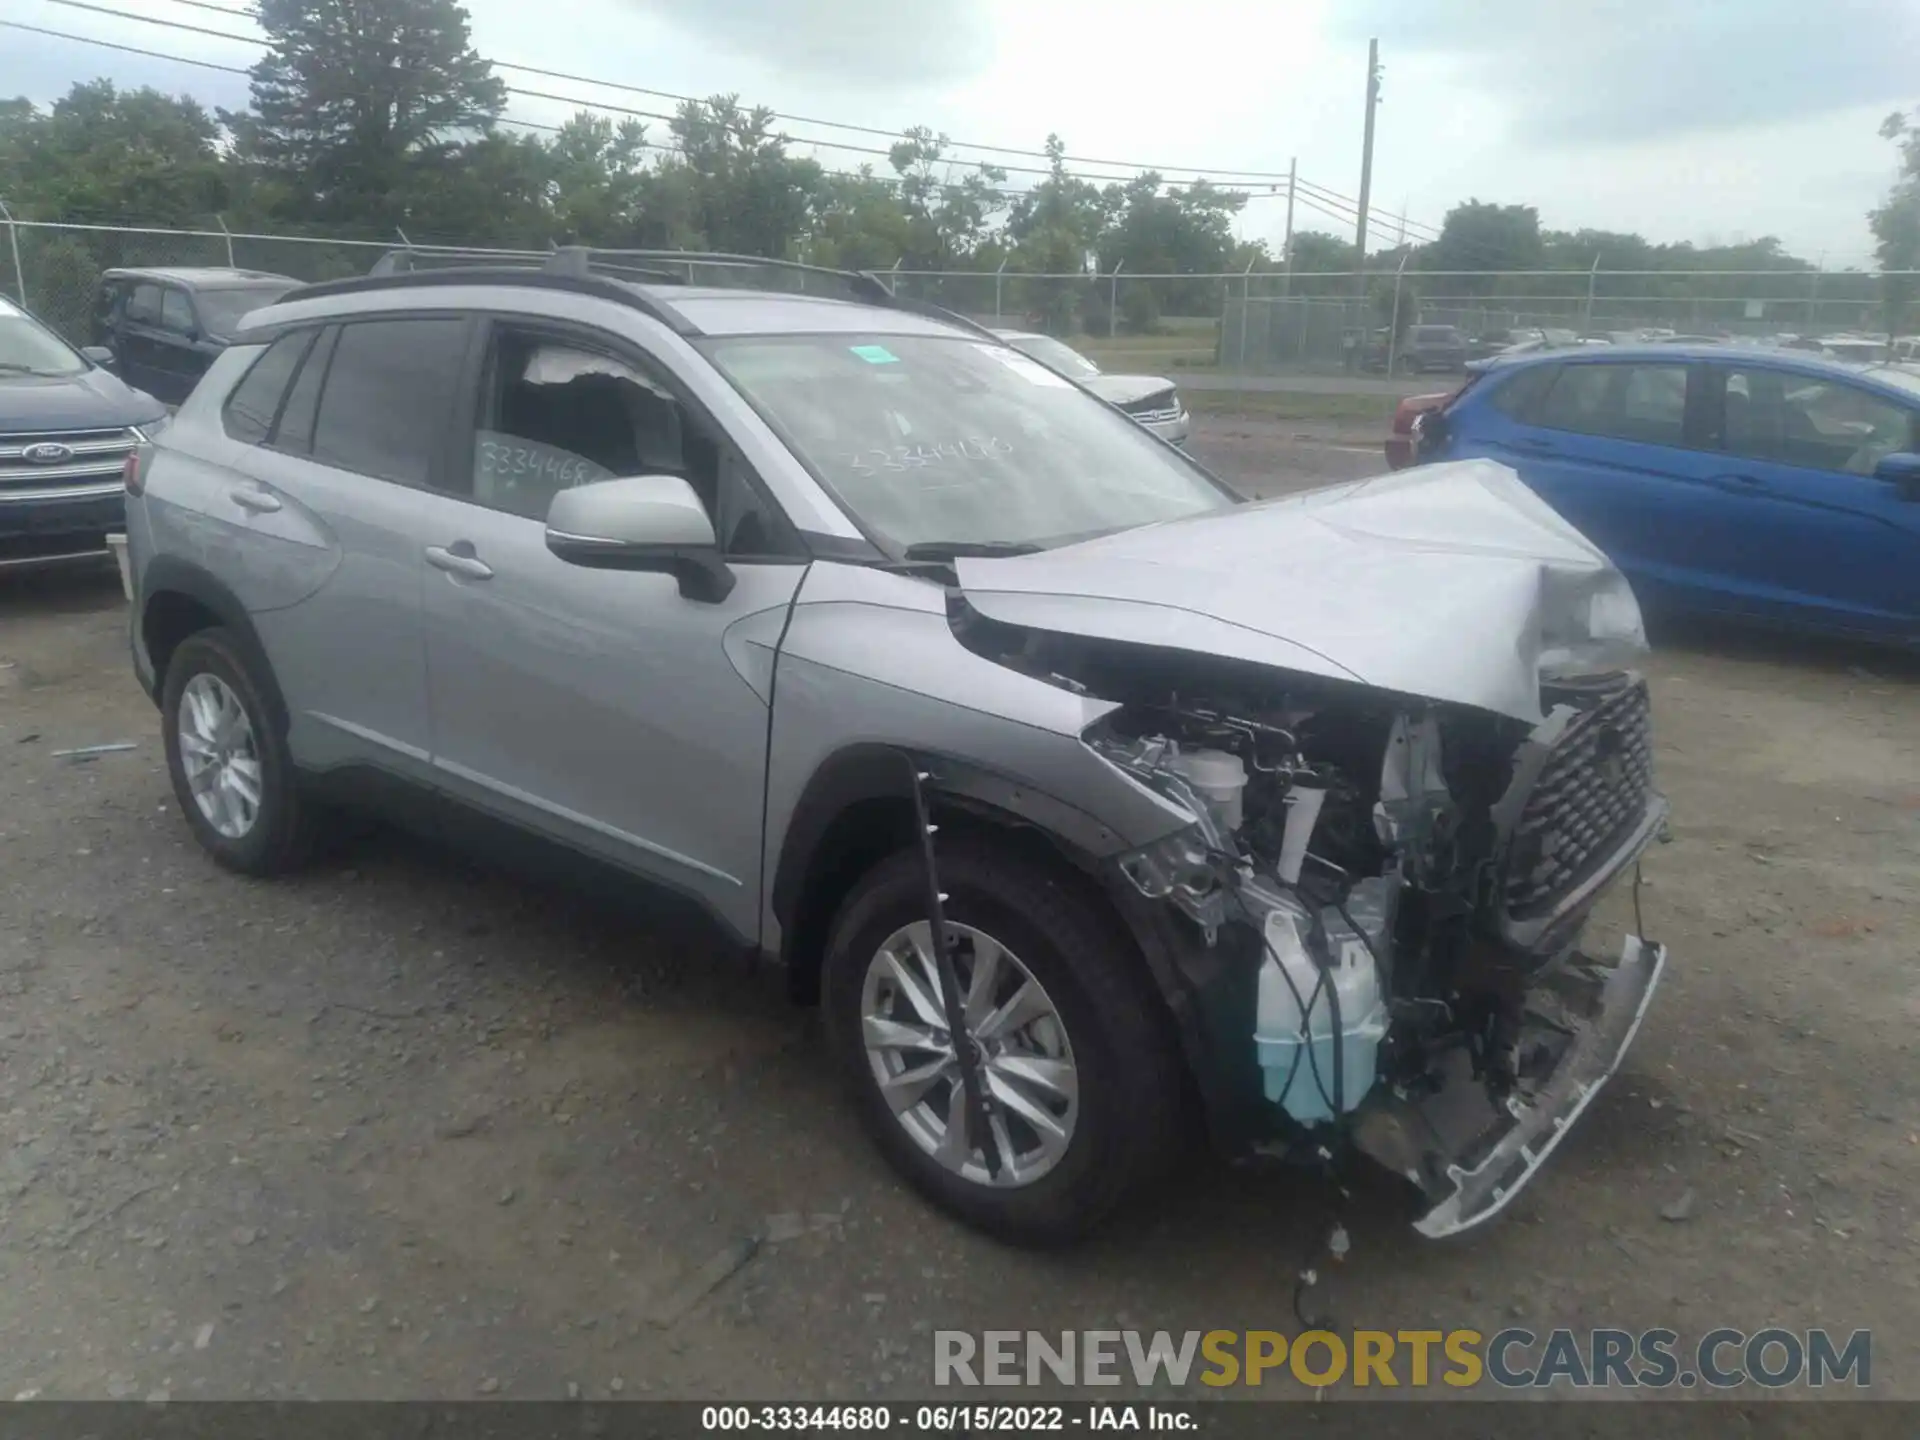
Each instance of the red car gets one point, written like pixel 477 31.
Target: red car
pixel 1402 443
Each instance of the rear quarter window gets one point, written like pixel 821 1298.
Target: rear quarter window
pixel 249 412
pixel 1520 394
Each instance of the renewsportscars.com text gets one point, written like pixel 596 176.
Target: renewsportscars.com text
pixel 1513 1358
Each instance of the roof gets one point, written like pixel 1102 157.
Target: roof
pixel 205 276
pixel 1905 377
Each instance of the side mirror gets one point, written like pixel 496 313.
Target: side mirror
pixel 100 356
pixel 645 522
pixel 1901 469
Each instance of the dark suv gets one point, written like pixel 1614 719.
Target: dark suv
pixel 165 327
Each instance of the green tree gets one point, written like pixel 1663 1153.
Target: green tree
pixel 1053 230
pixel 948 220
pixel 356 101
pixel 599 172
pixel 730 184
pixel 106 156
pixel 1485 238
pixel 1896 224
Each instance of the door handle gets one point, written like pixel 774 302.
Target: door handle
pixel 1742 482
pixel 258 501
pixel 1538 446
pixel 468 565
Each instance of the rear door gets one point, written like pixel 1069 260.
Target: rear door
pixel 177 361
pixel 1621 449
pixel 1811 534
pixel 357 441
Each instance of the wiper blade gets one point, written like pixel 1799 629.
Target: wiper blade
pixel 954 549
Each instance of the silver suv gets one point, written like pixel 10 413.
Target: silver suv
pixel 1278 821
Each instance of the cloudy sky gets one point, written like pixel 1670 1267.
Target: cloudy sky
pixel 1701 120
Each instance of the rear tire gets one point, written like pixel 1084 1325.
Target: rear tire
pixel 1104 1024
pixel 228 759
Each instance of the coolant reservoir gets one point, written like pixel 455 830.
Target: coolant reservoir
pixel 1219 776
pixel 1294 1030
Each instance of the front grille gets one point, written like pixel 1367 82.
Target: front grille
pixel 94 457
pixel 1156 409
pixel 1592 791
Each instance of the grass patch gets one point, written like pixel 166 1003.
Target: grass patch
pixel 1350 411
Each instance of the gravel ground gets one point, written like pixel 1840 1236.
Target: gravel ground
pixel 398 1128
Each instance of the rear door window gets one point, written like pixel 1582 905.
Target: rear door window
pixel 389 389
pixel 294 433
pixel 176 312
pixel 143 307
pixel 250 410
pixel 1521 394
pixel 1643 403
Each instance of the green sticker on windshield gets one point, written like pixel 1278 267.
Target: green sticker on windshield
pixel 876 354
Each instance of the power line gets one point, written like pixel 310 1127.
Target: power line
pixel 129 49
pixel 504 120
pixel 1137 166
pixel 629 110
pixel 1308 194
pixel 1239 182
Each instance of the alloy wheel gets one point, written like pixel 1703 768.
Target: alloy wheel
pixel 1025 1059
pixel 219 756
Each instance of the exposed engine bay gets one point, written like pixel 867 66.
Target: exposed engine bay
pixel 1418 874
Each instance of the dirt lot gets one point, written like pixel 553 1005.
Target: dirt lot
pixel 398 1128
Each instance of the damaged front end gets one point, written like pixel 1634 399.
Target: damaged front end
pixel 1381 900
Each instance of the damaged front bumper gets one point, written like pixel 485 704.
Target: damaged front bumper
pixel 1469 1154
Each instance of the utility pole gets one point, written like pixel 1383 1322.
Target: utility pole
pixel 1366 172
pixel 1286 248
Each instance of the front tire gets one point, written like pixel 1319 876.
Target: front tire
pixel 228 759
pixel 1083 1081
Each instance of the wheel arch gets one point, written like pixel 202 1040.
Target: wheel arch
pixel 857 808
pixel 179 599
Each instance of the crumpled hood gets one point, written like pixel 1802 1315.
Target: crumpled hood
pixel 1450 581
pixel 1120 389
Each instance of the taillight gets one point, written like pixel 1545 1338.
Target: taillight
pixel 131 473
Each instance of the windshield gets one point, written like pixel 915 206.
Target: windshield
pixel 930 441
pixel 29 348
pixel 1052 353
pixel 221 310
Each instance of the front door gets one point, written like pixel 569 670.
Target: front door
pixel 1809 530
pixel 600 707
pixel 141 338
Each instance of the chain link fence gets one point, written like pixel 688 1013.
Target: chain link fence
pixel 1252 322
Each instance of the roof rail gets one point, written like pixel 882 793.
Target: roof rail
pixel 591 268
pixel 861 285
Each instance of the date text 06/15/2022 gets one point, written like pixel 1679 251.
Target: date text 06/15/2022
pixel 947 1419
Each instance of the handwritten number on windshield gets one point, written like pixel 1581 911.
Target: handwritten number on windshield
pixel 897 459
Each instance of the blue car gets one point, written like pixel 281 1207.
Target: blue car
pixel 1759 484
